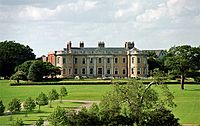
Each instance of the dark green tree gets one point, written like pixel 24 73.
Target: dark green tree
pixel 63 92
pixel 183 59
pixel 14 105
pixel 13 54
pixel 29 104
pixel 53 95
pixel 39 69
pixel 2 108
pixel 18 122
pixel 24 66
pixel 36 71
pixel 19 75
pixel 39 122
pixel 42 100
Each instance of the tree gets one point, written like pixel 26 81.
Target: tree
pixel 2 108
pixel 14 105
pixel 19 122
pixel 36 71
pixel 13 54
pixel 42 100
pixel 182 59
pixel 133 102
pixel 58 117
pixel 19 75
pixel 39 122
pixel 29 104
pixel 25 67
pixel 39 69
pixel 160 116
pixel 63 92
pixel 53 95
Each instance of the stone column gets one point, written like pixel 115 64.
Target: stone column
pixel 104 66
pixel 88 64
pixel 112 65
pixel 95 66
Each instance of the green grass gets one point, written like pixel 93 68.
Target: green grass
pixel 188 101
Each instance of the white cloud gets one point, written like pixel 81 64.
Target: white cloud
pixel 38 13
pixel 152 14
pixel 132 10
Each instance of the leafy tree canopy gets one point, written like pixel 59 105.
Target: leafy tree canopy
pixel 29 104
pixel 181 59
pixel 14 105
pixel 42 100
pixel 13 54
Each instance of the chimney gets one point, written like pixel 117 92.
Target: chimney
pixel 81 44
pixel 101 44
pixel 69 45
pixel 129 45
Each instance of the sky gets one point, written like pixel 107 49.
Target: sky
pixel 47 26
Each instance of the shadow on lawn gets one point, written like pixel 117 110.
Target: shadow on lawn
pixel 197 89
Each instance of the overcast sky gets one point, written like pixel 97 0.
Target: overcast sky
pixel 47 25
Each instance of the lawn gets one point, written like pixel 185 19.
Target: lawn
pixel 188 101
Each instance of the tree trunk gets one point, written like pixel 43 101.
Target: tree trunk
pixel 182 81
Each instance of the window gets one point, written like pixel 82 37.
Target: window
pixel 91 60
pixel 58 60
pixel 132 70
pixel 64 60
pixel 124 71
pixel 108 60
pixel 138 60
pixel 83 70
pixel 124 60
pixel 91 70
pixel 116 70
pixel 75 60
pixel 69 71
pixel 75 71
pixel 138 71
pixel 99 70
pixel 63 71
pixel 83 61
pixel 99 60
pixel 108 71
pixel 133 59
pixel 116 60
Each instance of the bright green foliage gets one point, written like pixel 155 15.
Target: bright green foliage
pixel 13 54
pixel 19 75
pixel 39 122
pixel 58 117
pixel 182 59
pixel 63 92
pixel 19 122
pixel 42 100
pixel 29 104
pixel 131 103
pixel 53 95
pixel 14 105
pixel 2 108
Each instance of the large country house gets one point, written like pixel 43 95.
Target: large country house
pixel 100 61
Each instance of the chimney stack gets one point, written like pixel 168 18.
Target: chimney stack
pixel 101 44
pixel 81 44
pixel 69 45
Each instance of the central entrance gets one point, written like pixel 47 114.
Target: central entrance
pixel 100 72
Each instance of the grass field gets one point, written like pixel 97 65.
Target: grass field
pixel 188 101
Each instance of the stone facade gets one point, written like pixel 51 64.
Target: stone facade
pixel 100 61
